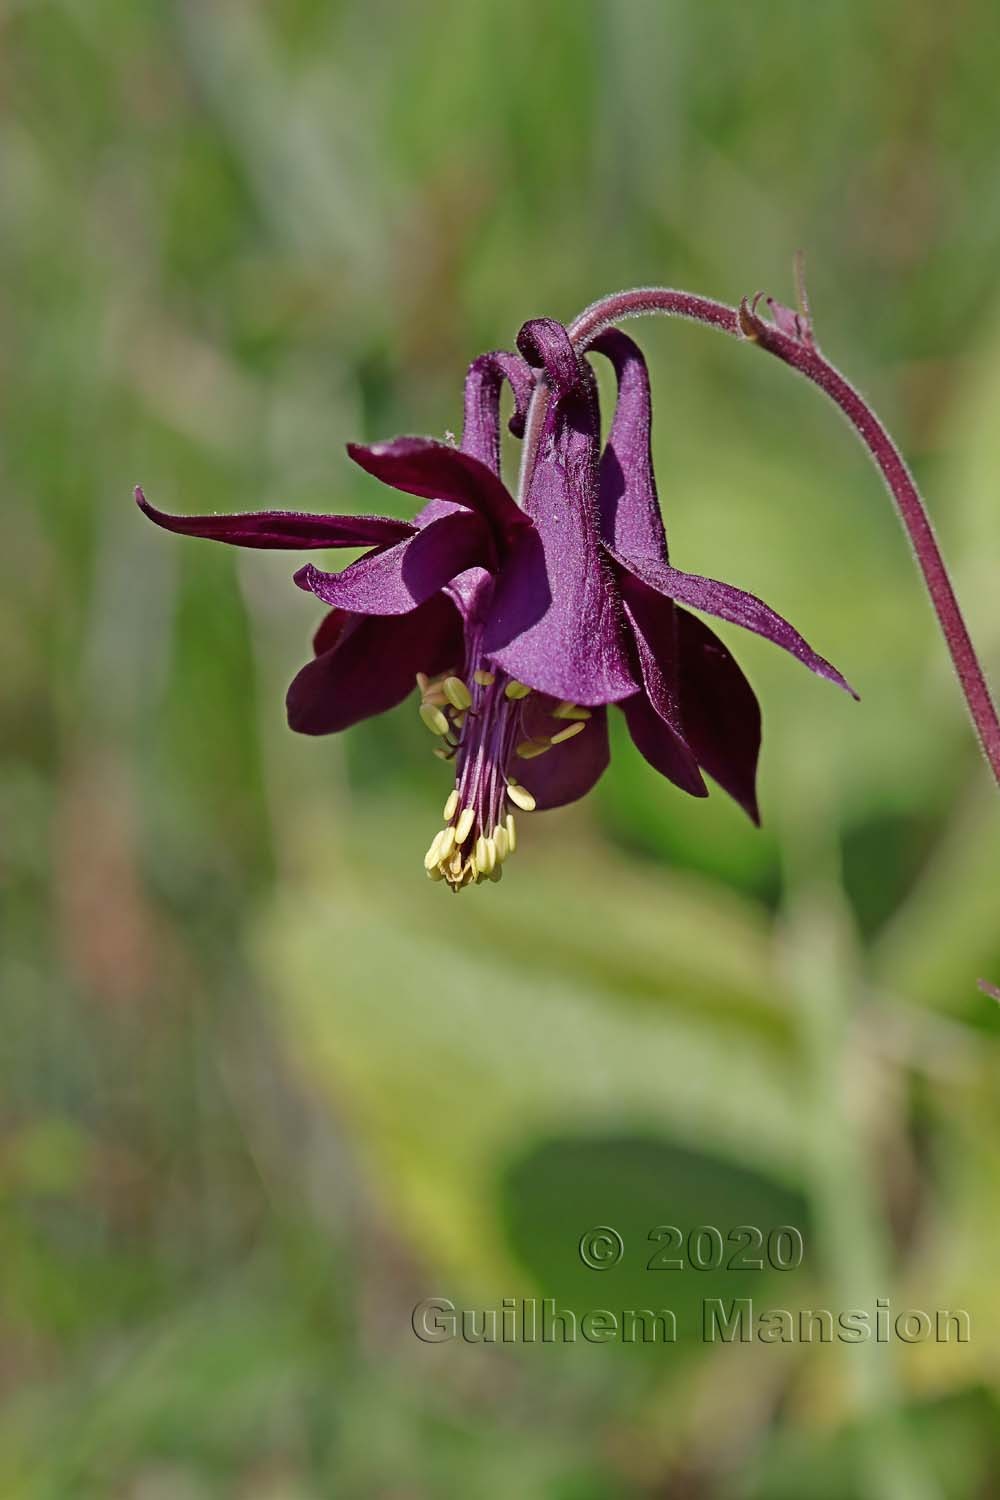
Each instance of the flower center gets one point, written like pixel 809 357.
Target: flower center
pixel 481 723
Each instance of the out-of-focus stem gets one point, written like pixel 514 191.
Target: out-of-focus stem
pixel 802 355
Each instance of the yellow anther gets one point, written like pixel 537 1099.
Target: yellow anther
pixel 501 843
pixel 567 710
pixel 459 719
pixel 451 805
pixel 530 749
pixel 568 733
pixel 464 825
pixel 520 796
pixel 484 679
pixel 431 857
pixel 433 718
pixel 516 690
pixel 431 690
pixel 442 753
pixel 435 872
pixel 511 828
pixel 456 692
pixel 497 872
pixel 486 854
pixel 446 844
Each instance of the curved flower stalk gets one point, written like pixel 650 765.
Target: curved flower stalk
pixel 522 621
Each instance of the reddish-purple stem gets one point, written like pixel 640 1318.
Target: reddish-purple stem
pixel 802 355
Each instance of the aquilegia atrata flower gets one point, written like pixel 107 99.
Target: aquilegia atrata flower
pixel 522 622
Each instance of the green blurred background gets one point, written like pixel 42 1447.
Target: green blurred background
pixel 264 1087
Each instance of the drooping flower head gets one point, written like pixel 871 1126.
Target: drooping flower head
pixel 522 620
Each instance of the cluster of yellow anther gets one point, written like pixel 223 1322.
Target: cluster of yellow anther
pixel 453 856
pixel 475 841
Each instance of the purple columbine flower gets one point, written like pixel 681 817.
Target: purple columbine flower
pixel 522 622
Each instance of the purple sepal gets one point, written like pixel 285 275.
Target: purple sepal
pixel 732 604
pixel 287 529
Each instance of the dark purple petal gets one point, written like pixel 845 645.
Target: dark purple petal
pixel 331 630
pixel 420 466
pixel 731 604
pixel 546 345
pixel 283 528
pixel 373 666
pixel 631 523
pixel 568 771
pixel 655 631
pixel 555 621
pixel 719 711
pixel 664 750
pixel 483 385
pixel 396 580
